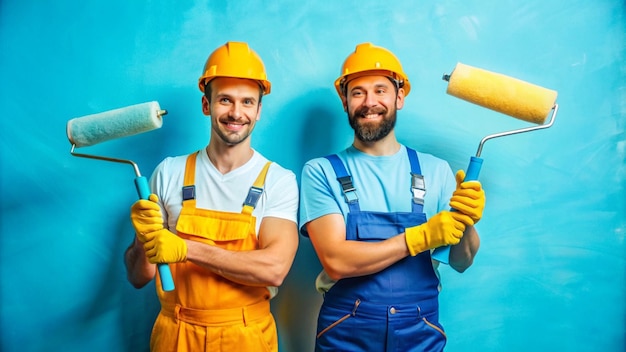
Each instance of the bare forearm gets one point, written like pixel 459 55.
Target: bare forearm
pixel 342 258
pixel 254 267
pixel 357 258
pixel 138 270
pixel 462 255
pixel 267 265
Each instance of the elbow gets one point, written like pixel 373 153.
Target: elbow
pixel 334 275
pixel 278 275
pixel 276 280
pixel 461 260
pixel 461 267
pixel 335 269
pixel 462 255
pixel 138 284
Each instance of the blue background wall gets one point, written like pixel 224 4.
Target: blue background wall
pixel 550 275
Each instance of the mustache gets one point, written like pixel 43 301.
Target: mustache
pixel 366 111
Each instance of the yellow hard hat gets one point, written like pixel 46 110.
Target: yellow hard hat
pixel 235 59
pixel 368 59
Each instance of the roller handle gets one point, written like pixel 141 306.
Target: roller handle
pixel 442 254
pixel 167 282
pixel 473 170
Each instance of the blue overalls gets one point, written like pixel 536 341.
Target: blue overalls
pixel 395 309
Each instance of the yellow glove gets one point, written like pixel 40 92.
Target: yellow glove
pixel 162 246
pixel 146 216
pixel 468 198
pixel 445 228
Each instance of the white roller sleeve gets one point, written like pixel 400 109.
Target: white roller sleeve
pixel 93 129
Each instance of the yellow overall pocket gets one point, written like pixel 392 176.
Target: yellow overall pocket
pixel 216 227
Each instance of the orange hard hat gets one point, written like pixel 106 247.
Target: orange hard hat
pixel 237 60
pixel 369 59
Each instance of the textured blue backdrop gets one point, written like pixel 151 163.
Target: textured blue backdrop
pixel 550 275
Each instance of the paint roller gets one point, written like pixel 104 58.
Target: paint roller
pixel 506 95
pixel 127 121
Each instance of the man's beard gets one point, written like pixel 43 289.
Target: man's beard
pixel 370 132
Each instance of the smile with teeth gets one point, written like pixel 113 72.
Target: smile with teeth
pixel 371 116
pixel 233 126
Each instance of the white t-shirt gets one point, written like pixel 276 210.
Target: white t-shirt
pixel 217 191
pixel 225 192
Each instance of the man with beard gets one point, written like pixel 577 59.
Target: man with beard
pixel 223 218
pixel 374 212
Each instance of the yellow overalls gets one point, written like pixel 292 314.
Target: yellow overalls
pixel 207 312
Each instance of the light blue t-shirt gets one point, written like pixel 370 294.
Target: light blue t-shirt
pixel 382 183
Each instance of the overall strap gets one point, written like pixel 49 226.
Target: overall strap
pixel 418 187
pixel 189 188
pixel 349 192
pixel 255 191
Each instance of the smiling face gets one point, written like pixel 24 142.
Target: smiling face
pixel 234 107
pixel 372 103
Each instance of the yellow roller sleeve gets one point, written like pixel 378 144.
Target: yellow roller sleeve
pixel 507 95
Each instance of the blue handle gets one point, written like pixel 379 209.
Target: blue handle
pixel 167 282
pixel 442 254
pixel 143 188
pixel 473 169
